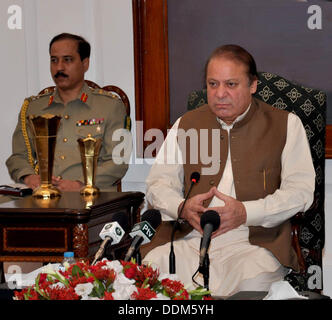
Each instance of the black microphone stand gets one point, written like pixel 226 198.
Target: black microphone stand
pixel 138 257
pixel 205 271
pixel 174 229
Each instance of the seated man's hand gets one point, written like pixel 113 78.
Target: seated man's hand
pixel 32 181
pixel 67 185
pixel 232 215
pixel 193 208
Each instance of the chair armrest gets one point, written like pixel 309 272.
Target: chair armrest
pixel 295 223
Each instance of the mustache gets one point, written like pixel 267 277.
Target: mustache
pixel 223 101
pixel 60 74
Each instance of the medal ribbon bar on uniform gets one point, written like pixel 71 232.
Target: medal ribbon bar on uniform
pixel 89 122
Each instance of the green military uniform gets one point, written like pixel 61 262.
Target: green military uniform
pixel 94 112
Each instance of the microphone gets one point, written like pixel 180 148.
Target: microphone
pixel 112 232
pixel 144 231
pixel 194 178
pixel 210 222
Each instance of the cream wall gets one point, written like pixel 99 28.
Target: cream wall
pixel 107 25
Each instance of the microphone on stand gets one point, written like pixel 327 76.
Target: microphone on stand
pixel 210 222
pixel 194 178
pixel 112 232
pixel 143 232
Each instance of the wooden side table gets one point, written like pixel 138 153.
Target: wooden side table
pixel 42 230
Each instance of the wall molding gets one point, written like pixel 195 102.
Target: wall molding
pixel 151 67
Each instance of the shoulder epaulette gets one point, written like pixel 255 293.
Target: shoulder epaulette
pixel 106 93
pixel 44 93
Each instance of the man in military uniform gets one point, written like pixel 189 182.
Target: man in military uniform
pixel 83 110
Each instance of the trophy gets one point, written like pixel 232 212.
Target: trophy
pixel 89 149
pixel 89 200
pixel 45 129
pixel 46 203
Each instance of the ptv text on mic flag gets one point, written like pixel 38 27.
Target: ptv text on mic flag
pixel 143 229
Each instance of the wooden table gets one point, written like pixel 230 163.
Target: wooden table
pixel 42 230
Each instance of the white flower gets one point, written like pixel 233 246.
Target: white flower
pixel 58 285
pixel 52 271
pixel 49 269
pixel 84 289
pixel 115 265
pixel 123 287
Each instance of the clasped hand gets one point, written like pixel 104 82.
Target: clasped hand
pixel 232 214
pixel 33 181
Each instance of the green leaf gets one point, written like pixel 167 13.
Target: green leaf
pixel 38 290
pixel 76 271
pixel 27 295
pixel 98 290
pixel 198 293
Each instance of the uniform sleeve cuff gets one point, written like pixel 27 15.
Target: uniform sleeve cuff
pixel 23 174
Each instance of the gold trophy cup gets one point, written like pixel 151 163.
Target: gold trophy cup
pixel 45 128
pixel 89 149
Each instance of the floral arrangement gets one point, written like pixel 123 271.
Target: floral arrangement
pixel 107 280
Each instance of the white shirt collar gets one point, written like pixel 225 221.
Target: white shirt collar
pixel 226 126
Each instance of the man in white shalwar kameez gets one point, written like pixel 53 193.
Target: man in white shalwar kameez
pixel 235 263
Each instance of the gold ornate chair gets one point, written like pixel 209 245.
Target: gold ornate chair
pixel 308 227
pixel 110 88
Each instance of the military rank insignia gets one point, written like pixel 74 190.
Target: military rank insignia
pixel 89 122
pixel 50 100
pixel 84 97
pixel 127 123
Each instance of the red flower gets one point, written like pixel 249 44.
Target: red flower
pixel 62 293
pixel 146 273
pixel 146 281
pixel 108 296
pixel 75 281
pixel 144 294
pixel 42 278
pixel 175 289
pixel 129 269
pixel 130 273
pixel 184 295
pixel 97 266
pixel 26 294
pixel 105 274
